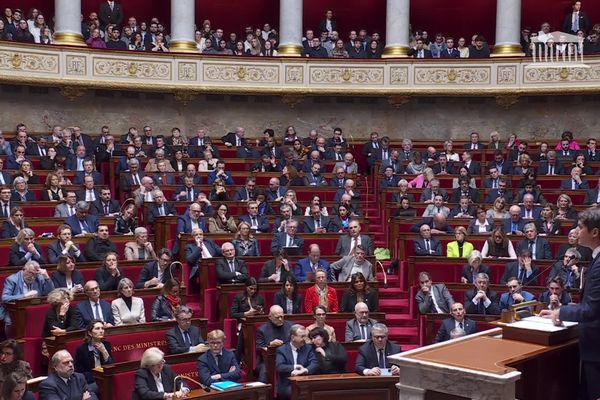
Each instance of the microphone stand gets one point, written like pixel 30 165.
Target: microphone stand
pixel 385 284
pixel 183 377
pixel 171 269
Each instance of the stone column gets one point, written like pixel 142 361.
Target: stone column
pixel 508 29
pixel 183 14
pixel 290 28
pixel 396 28
pixel 67 28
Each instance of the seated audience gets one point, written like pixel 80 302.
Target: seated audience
pixel 437 224
pixel 64 246
pixel 93 308
pixel 358 329
pixel 274 332
pixel 288 239
pixel 277 269
pixel 98 246
pixel 21 191
pixel 556 295
pixel 359 292
pixel 405 209
pixel 140 249
pixel 156 272
pixel 222 222
pixel 564 208
pixel 432 298
pixel 185 337
pixel 481 299
pixel 105 205
pixel 229 269
pixel 25 249
pixel 372 356
pixel 567 269
pixel 306 267
pixel 14 387
pixel 352 264
pixel 573 243
pixel 346 243
pixel 155 379
pixel 218 364
pixel 67 276
pixel 527 273
pixel 547 224
pixel 60 318
pixel 126 222
pixel 331 355
pixel 92 353
pixel 321 294
pixel 126 308
pixel 474 267
pixel 294 358
pixel 498 210
pixel 456 321
pixel 515 223
pixel 12 361
pixel 202 248
pixel 108 274
pixel 481 224
pixel 459 248
pixel 82 223
pixel 498 246
pixel 538 246
pixel 163 308
pixel 425 244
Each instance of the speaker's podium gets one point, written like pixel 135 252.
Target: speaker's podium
pixel 489 366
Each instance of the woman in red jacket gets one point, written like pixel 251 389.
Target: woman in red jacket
pixel 321 294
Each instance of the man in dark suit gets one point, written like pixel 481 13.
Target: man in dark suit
pixel 110 13
pixel 551 166
pixel 193 219
pixel 132 179
pixel 202 248
pixel 303 362
pixel 530 211
pixel 419 51
pixel 371 147
pixel 14 160
pixel 39 148
pixel 437 224
pixel 575 182
pixel 358 329
pixel 274 332
pixel 88 170
pixel 425 244
pixel 306 267
pixel 527 273
pixel 65 383
pixel 514 224
pixel 316 223
pixel 93 307
pixel 160 207
pixel 328 24
pixel 184 337
pixel 456 325
pixel 229 269
pixel 592 196
pixel 247 192
pixel 481 299
pixel 289 238
pixel 275 191
pixel 258 223
pixel 372 356
pixel 449 51
pixel 82 223
pixel 474 144
pixel 157 272
pixel 433 190
pixel 538 246
pixel 576 20
pixel 346 243
pixel 433 298
pixel 186 192
pixel 502 166
pixel 105 206
pixel 89 192
pixel 591 153
pixel 339 179
pixel 587 311
pixel 474 167
pixel 443 166
pixel 463 209
pixel 236 138
pixel 464 190
pixel 218 364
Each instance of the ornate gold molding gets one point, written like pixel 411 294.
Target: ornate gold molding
pixel 72 93
pixel 507 101
pixel 184 97
pixel 395 52
pixel 508 50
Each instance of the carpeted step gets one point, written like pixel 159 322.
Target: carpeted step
pixel 394 306
pixel 404 334
pixel 400 320
pixel 392 292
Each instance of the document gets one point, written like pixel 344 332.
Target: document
pixel 541 324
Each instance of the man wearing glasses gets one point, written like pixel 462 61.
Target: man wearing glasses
pixel 372 356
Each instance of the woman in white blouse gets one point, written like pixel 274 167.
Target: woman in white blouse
pixel 126 308
pixel 481 225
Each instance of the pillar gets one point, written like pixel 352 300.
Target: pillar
pixel 397 28
pixel 183 14
pixel 290 28
pixel 508 29
pixel 67 28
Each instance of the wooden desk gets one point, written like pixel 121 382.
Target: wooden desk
pixel 243 393
pixel 344 387
pixel 489 367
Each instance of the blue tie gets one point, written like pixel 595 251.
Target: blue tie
pixel 381 359
pixel 97 311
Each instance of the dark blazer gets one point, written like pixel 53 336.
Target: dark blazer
pixel 349 300
pixel 471 210
pixel 193 254
pixel 184 224
pixel 97 207
pixel 108 16
pixel 421 249
pixel 591 196
pixel 323 25
pixel 494 194
pixel 472 193
pixel 542 248
pixel 428 194
pixel 543 168
pixel 268 332
pixel 230 138
pixel 297 302
pixel 175 340
pixel 145 385
pixel 105 280
pixel 474 168
pixel 367 355
pixel 269 268
pixel 280 241
pixel 16 197
pixel 344 245
pixel 240 305
pixel 304 267
pixel 53 388
pixel 81 194
pixel 414 53
pixel 567 184
pixel 150 271
pixel 309 224
pixel 16 256
pixel 512 269
pixel 55 251
pixel 79 175
pixel 84 360
pixel 161 309
pixel 51 320
pixel 207 367
pixel 84 313
pixel 468 274
pixel 168 180
pixel 9 230
pixel 450 53
pixel 507 225
pixel 224 274
pixel 584 22
pixel 443 298
pixel 261 222
pixel 284 363
pixel 153 212
pixel 60 280
pixel 471 308
pixel 91 220
pixel 449 324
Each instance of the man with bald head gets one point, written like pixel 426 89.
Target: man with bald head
pixel 93 308
pixel 349 165
pixel 514 224
pixel 236 138
pixel 274 332
pixel 306 267
pixel 438 225
pixel 229 269
pixel 65 383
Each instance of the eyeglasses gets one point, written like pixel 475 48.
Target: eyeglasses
pixel 379 337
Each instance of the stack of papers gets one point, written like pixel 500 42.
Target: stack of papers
pixel 541 324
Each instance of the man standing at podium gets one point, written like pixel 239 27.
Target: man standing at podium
pixel 587 313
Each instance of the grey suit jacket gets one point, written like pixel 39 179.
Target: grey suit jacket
pixel 353 330
pixel 345 243
pixel 442 297
pixel 61 211
pixel 345 266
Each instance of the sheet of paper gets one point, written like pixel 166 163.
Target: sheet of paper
pixel 541 324
pixel 386 371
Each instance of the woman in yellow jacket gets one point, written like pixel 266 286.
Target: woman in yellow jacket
pixel 459 248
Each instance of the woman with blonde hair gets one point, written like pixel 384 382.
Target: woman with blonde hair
pixel 141 248
pixel 126 308
pixel 245 244
pixel 52 189
pixel 459 248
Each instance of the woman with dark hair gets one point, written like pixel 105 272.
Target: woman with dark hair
pixel 219 191
pixel 108 275
pixel 320 316
pixel 50 160
pixel 178 161
pixel 222 222
pixel 22 33
pixel 239 49
pixel 14 224
pixel 52 189
pixel 277 269
pixel 26 171
pixel 481 224
pixel 547 225
pixel 498 246
pixel 163 308
pixel 249 302
pixel 12 360
pixel 373 50
pixel 264 208
pixel 321 294
pixel 331 356
pixel 67 276
pixel 126 222
pixel 15 387
pixel 405 209
pixel 341 221
pixel 290 177
pixel 288 297
pixel 359 292
pixel 60 318
pixel 92 353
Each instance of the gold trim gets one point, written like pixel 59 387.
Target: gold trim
pixel 290 50
pixel 183 46
pixel 508 50
pixel 69 39
pixel 395 52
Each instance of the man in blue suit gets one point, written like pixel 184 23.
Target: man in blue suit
pixel 294 358
pixel 456 324
pixel 93 307
pixel 202 248
pixel 219 173
pixel 306 267
pixel 193 219
pixel 247 192
pixel 184 337
pixel 88 170
pixel 274 332
pixel 31 281
pixel 372 356
pixel 449 51
pixel 527 273
pixel 575 182
pixel 257 223
pixel 218 364
pixel 587 312
pixel 514 224
pixel 82 222
pixel 529 211
pixel 65 383
pixel 289 238
pixel 515 294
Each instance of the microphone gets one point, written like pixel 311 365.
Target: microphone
pixel 183 377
